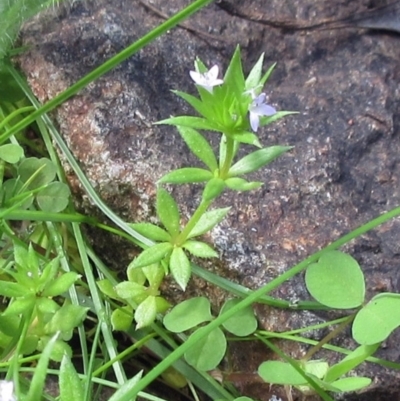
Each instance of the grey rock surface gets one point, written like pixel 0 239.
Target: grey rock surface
pixel 343 171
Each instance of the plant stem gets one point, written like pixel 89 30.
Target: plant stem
pixel 251 298
pixel 201 209
pixel 228 157
pixel 328 337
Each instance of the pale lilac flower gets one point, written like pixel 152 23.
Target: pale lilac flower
pixel 259 108
pixel 208 79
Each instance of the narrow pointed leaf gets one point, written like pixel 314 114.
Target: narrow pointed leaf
pixel 60 284
pixel 192 122
pixel 200 249
pixel 153 254
pixel 199 146
pixel 213 189
pixel 71 387
pixel 234 77
pixel 266 76
pixel 255 160
pixel 179 266
pixel 146 312
pixel 151 231
pixel 186 175
pixel 240 184
pixel 196 103
pixel 167 211
pixel 38 381
pixel 208 221
pixel 275 117
pixel 254 77
pixel 247 137
pixel 125 391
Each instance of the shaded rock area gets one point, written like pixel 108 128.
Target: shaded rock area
pixel 343 171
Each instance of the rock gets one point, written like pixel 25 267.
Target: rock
pixel 343 171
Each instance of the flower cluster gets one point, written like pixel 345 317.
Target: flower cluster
pixel 234 105
pixel 258 107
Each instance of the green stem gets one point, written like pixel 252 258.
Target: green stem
pixel 201 209
pixel 253 297
pixel 228 157
pixel 328 337
pixel 107 66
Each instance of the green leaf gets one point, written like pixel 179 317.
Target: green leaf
pixel 121 319
pixel 151 231
pixel 255 160
pixel 186 175
pixel 47 306
pixel 125 390
pixel 12 290
pixel 234 78
pixel 328 281
pixel 21 305
pixel 248 138
pixel 179 266
pixel 243 323
pixel 213 189
pixel 278 372
pixel 253 79
pixel 244 399
pixel 240 184
pixel 54 197
pixel 199 146
pixel 107 288
pixel 71 387
pixel 201 107
pixel 188 314
pixel 38 381
pixel 200 249
pixel 162 305
pixel 167 211
pixel 266 76
pixel 351 361
pixel 348 384
pixel 146 312
pixel 36 172
pixel 66 318
pixel 10 152
pixel 375 322
pixel 208 221
pixel 61 284
pixel 60 349
pixel 12 191
pixel 275 117
pixel 208 352
pixel 154 274
pixel 131 290
pixel 136 275
pixel 191 122
pixel 153 254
